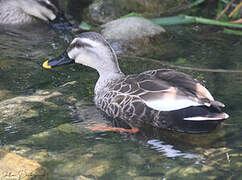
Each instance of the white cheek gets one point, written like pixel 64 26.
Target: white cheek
pixel 84 59
pixel 73 53
pixel 84 56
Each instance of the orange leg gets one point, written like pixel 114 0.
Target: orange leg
pixel 101 127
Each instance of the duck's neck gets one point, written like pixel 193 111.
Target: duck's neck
pixel 105 61
pixel 106 77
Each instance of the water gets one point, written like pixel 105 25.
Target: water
pixel 44 114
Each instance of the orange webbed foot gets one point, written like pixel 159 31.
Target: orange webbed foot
pixel 102 127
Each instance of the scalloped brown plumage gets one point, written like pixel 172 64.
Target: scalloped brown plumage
pixel 162 98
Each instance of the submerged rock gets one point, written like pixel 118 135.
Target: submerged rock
pixel 82 178
pixel 103 11
pixel 13 166
pixel 136 36
pixel 130 28
pixel 98 170
pixel 22 107
pixel 135 159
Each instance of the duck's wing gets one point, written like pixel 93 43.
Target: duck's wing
pixel 169 90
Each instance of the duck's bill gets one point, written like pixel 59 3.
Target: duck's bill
pixel 59 61
pixel 61 23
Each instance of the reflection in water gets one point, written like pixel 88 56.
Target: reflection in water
pixel 168 150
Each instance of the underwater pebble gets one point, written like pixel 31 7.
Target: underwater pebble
pixel 13 166
pixel 82 178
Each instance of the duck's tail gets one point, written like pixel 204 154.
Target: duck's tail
pixel 197 119
pixel 204 113
pixel 208 117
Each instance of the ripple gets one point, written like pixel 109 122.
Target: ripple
pixel 168 150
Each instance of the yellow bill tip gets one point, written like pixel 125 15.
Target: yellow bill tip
pixel 45 65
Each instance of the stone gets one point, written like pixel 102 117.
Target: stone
pixel 130 28
pixel 103 11
pixel 136 36
pixel 82 178
pixel 21 107
pixel 13 166
pixel 98 170
pixel 135 159
pixel 148 178
pixel 185 172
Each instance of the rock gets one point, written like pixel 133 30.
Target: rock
pixel 13 166
pixel 103 11
pixel 135 159
pixel 99 170
pixel 136 36
pixel 82 178
pixel 21 107
pixel 188 171
pixel 4 94
pixel 148 178
pixel 130 28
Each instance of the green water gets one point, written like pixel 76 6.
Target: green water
pixel 44 114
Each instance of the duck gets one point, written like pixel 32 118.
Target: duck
pixel 162 98
pixel 23 12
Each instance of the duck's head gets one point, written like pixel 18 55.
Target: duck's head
pixel 89 49
pixel 46 10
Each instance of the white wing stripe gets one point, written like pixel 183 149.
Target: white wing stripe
pixel 204 118
pixel 170 104
pixel 201 118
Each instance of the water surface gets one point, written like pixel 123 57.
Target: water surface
pixel 44 113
